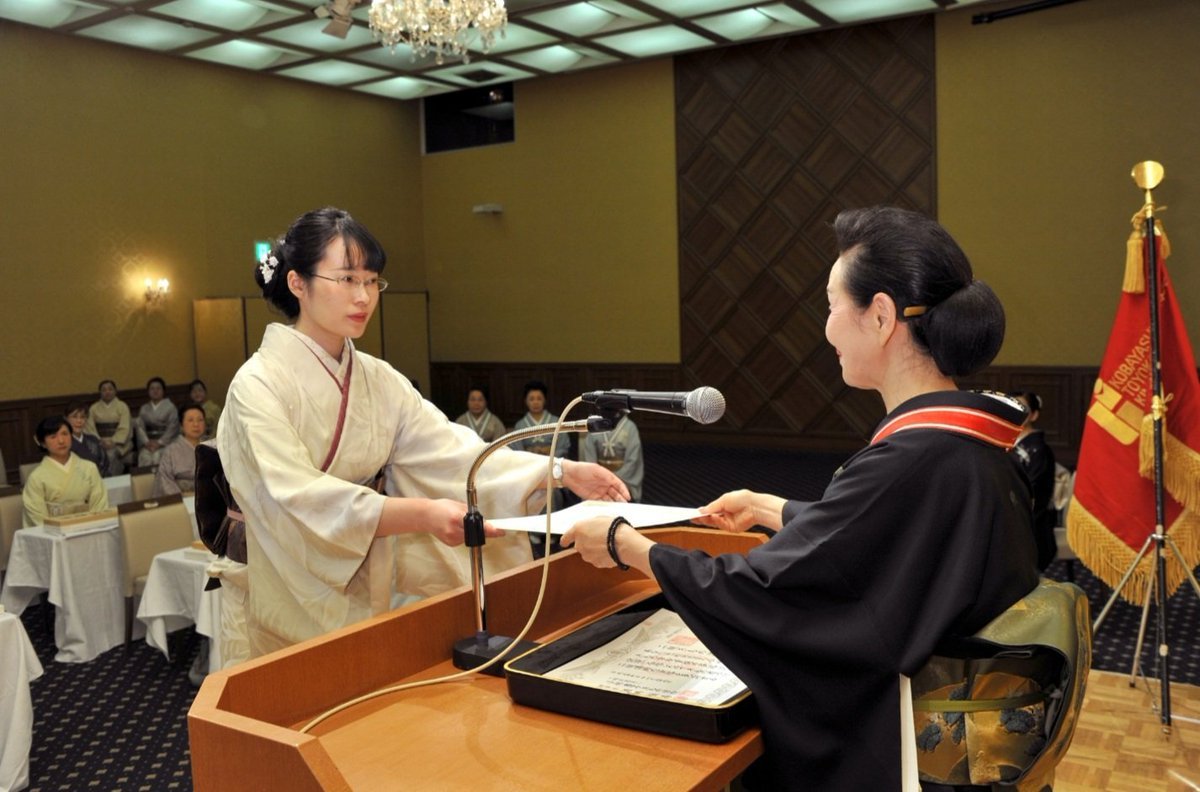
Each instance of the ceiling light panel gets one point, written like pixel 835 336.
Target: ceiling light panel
pixel 404 88
pixel 585 19
pixel 654 41
pixel 227 14
pixel 246 54
pixel 333 72
pixel 691 8
pixel 137 31
pixel 46 13
pixel 515 38
pixel 308 34
pixel 845 11
pixel 776 20
pixel 400 60
pixel 561 58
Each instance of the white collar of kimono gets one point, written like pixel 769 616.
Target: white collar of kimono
pixel 60 465
pixel 478 424
pixel 334 366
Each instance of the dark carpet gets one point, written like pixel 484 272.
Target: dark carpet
pixel 120 721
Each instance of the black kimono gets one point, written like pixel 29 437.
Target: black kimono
pixel 921 535
pixel 1037 460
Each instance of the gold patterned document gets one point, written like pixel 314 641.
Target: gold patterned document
pixel 659 658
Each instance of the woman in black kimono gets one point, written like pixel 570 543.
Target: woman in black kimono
pixel 923 534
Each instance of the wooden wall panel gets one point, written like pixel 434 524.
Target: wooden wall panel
pixel 773 140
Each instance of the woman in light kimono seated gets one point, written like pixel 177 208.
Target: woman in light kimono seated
pixel 309 425
pixel 62 479
pixel 110 420
pixel 537 415
pixel 176 473
pixel 479 418
pixel 157 423
pixel 84 444
pixel 922 536
pixel 620 451
pixel 198 393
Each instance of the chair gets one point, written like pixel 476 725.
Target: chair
pixel 149 527
pixel 141 481
pixel 10 521
pixel 26 469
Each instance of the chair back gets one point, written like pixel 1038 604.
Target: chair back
pixel 141 482
pixel 10 521
pixel 149 527
pixel 26 469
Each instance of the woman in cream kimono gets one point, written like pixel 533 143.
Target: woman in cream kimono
pixel 62 478
pixel 110 420
pixel 479 418
pixel 310 424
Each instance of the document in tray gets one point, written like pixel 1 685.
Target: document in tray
pixel 81 528
pixel 640 515
pixel 661 658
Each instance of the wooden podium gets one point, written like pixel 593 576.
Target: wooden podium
pixel 244 723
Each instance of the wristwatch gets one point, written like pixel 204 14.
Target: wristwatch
pixel 558 471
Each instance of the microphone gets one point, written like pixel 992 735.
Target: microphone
pixel 703 405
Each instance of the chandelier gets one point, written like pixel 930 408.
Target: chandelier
pixel 443 27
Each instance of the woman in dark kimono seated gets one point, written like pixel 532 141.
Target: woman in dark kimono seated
pixel 923 534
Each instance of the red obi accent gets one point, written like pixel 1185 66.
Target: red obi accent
pixel 962 420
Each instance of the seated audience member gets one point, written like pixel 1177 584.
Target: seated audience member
pixel 62 478
pixel 620 451
pixel 110 420
pixel 157 423
pixel 212 410
pixel 1036 460
pixel 538 415
pixel 84 444
pixel 479 418
pixel 176 472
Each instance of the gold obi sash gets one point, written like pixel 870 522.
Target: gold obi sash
pixel 611 462
pixel 1000 707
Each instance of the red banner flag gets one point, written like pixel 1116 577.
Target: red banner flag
pixel 1112 510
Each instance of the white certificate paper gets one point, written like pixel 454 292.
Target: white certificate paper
pixel 660 658
pixel 640 515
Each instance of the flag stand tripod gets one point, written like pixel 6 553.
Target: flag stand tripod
pixel 1149 175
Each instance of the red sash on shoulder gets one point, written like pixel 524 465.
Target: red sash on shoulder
pixel 979 424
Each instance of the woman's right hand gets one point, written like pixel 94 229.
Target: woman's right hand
pixel 441 518
pixel 741 510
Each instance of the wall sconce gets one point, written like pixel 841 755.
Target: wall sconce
pixel 156 290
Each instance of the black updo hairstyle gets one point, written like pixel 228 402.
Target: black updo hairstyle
pixel 302 247
pixel 1032 399
pixel 162 383
pixel 49 426
pixel 536 385
pixel 913 260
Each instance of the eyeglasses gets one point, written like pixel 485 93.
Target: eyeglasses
pixel 351 283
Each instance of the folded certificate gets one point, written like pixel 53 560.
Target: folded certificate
pixel 640 515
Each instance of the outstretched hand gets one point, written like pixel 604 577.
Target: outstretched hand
pixel 593 482
pixel 741 510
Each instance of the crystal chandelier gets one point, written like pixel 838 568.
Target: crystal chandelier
pixel 443 27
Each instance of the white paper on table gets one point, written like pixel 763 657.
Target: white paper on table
pixel 82 528
pixel 639 515
pixel 660 657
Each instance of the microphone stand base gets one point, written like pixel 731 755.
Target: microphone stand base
pixel 478 649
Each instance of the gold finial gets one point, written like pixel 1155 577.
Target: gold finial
pixel 1148 175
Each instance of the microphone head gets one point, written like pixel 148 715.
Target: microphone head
pixel 705 405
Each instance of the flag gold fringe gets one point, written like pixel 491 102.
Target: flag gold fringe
pixel 1181 465
pixel 1109 558
pixel 1135 269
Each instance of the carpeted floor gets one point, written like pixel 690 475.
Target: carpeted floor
pixel 120 722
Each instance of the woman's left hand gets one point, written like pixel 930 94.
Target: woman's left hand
pixel 593 482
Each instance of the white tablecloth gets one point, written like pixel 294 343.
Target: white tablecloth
pixel 120 490
pixel 18 667
pixel 83 577
pixel 175 597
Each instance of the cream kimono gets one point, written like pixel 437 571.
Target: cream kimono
pixel 78 481
pixel 313 560
pixel 112 421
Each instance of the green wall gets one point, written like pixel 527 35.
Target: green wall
pixel 1040 119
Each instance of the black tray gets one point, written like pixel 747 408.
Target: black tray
pixel 528 686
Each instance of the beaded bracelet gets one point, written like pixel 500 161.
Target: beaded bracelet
pixel 612 542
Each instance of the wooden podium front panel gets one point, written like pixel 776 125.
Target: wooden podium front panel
pixel 244 723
